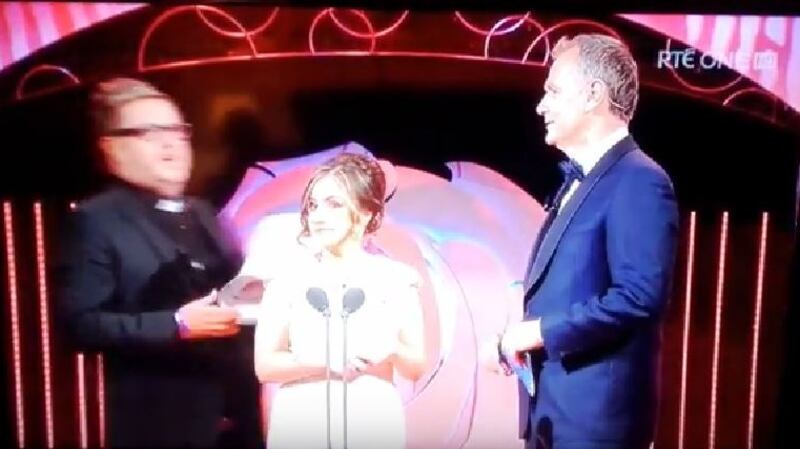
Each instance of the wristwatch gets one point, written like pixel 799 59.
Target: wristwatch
pixel 183 329
pixel 500 355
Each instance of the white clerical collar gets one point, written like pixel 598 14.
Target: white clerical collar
pixel 170 205
pixel 591 155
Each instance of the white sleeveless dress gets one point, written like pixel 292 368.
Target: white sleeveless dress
pixel 375 412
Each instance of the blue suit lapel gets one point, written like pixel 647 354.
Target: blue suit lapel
pixel 562 220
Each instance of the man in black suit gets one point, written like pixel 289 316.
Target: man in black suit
pixel 137 281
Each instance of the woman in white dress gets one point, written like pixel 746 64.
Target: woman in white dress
pixel 342 204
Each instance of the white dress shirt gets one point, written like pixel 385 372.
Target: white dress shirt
pixel 588 158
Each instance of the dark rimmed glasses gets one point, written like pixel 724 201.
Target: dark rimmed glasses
pixel 154 133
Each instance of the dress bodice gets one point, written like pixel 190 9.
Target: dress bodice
pixel 389 289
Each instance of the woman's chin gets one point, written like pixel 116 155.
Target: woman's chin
pixel 323 241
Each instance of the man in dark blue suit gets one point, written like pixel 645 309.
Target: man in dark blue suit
pixel 601 269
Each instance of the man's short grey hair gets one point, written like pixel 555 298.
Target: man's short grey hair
pixel 604 58
pixel 110 95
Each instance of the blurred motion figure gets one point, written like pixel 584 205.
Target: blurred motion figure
pixel 136 281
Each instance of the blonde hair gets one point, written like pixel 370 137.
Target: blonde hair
pixel 109 96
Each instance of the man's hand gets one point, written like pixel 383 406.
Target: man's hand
pixel 521 337
pixel 202 319
pixel 489 356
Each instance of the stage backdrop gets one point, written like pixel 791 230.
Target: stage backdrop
pixel 445 99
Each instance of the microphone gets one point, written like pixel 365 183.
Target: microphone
pixel 319 301
pixel 353 300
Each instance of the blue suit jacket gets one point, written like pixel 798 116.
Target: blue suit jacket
pixel 600 283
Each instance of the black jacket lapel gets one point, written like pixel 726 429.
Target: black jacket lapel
pixel 135 212
pixel 562 220
pixel 209 221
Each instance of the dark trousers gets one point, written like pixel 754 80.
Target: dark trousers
pixel 547 443
pixel 542 436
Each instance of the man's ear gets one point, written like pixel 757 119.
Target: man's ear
pixel 598 91
pixel 106 152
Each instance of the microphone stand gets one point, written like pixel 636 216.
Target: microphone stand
pixel 352 300
pixel 345 313
pixel 327 315
pixel 319 301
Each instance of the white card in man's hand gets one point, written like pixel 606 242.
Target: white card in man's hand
pixel 243 293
